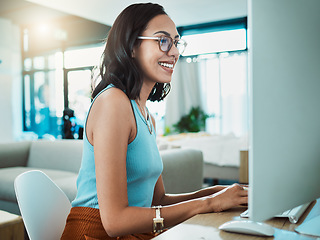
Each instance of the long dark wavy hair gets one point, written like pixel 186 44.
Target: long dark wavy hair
pixel 117 66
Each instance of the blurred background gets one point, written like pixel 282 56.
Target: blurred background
pixel 48 50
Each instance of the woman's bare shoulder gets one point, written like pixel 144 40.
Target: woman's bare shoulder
pixel 113 98
pixel 113 107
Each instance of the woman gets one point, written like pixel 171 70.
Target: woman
pixel 120 176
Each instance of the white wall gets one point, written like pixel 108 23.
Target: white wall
pixel 10 82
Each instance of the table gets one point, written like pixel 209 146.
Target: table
pixel 11 226
pixel 206 227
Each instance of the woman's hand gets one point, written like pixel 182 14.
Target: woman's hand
pixel 217 188
pixel 232 196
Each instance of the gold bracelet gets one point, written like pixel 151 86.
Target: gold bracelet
pixel 158 221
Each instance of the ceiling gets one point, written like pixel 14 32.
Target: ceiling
pixel 23 12
pixel 183 12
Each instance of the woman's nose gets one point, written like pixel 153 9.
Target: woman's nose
pixel 173 51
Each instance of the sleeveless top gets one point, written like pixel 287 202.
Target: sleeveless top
pixel 143 166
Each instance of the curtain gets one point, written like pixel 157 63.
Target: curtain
pixel 185 91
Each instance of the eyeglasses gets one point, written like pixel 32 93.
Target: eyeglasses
pixel 166 42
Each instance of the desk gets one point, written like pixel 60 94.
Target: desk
pixel 206 227
pixel 11 226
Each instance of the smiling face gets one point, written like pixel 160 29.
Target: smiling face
pixel 156 65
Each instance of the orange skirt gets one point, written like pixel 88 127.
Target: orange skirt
pixel 84 223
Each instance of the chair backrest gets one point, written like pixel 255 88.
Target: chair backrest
pixel 43 205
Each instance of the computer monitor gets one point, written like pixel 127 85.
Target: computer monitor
pixel 284 88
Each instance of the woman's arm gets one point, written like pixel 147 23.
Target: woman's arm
pixel 162 198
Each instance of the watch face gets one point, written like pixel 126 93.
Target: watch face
pixel 158 221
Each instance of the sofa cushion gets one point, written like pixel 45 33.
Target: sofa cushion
pixel 182 170
pixel 14 154
pixel 59 154
pixel 65 180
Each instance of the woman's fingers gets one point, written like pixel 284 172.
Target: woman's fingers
pixel 243 193
pixel 243 201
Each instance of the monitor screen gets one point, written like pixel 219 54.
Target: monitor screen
pixel 284 77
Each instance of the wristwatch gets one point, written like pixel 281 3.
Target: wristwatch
pixel 158 221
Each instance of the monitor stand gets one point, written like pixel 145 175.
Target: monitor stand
pixel 311 227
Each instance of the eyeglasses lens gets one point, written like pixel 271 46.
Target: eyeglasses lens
pixel 165 44
pixel 181 46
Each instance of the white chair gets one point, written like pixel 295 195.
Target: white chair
pixel 43 205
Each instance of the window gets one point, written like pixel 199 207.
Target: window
pixel 43 96
pixel 219 52
pixel 79 93
pixel 225 89
pixel 214 42
pixel 83 57
pixel 54 82
pixel 158 111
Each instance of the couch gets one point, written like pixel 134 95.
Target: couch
pixel 61 159
pixel 221 153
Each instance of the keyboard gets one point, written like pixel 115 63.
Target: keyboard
pixel 293 214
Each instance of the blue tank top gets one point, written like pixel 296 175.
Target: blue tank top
pixel 143 166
